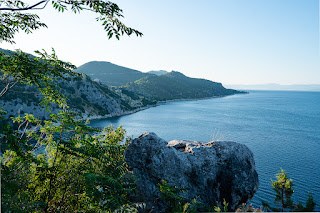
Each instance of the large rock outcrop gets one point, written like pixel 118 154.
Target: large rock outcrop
pixel 210 171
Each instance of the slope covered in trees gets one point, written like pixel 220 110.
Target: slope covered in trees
pixel 110 74
pixel 155 85
pixel 175 85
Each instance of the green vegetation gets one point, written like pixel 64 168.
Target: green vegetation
pixel 154 85
pixel 109 73
pixel 173 196
pixel 283 188
pixel 77 171
pixel 175 202
pixel 60 164
pixel 175 85
pixel 13 21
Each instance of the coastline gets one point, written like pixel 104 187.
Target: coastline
pixel 100 117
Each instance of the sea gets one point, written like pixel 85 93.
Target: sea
pixel 282 129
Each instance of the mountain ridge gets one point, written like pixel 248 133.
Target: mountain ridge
pixel 109 73
pixel 175 85
pixel 158 72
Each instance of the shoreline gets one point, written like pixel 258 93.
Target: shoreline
pixel 100 117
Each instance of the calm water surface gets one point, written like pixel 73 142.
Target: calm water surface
pixel 282 128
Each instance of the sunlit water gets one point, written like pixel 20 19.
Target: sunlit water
pixel 282 128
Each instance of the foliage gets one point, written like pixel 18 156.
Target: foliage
pixel 175 85
pixel 42 71
pixel 223 208
pixel 283 188
pixel 60 164
pixel 248 208
pixel 12 20
pixel 77 171
pixel 176 202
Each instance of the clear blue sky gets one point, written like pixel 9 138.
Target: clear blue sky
pixel 229 41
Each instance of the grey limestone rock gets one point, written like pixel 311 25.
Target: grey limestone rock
pixel 210 171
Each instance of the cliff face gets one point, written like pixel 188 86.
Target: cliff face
pixel 211 171
pixel 91 99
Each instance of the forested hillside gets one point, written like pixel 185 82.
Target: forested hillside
pixel 175 85
pixel 155 85
pixel 110 74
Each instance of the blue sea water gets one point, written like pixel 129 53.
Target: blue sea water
pixel 282 128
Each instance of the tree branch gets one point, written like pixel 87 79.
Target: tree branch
pixel 7 87
pixel 27 8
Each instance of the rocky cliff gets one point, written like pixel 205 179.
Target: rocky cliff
pixel 90 98
pixel 210 171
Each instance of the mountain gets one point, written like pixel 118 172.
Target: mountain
pixel 296 87
pixel 96 99
pixel 110 74
pixel 158 72
pixel 91 99
pixel 85 96
pixel 7 52
pixel 175 85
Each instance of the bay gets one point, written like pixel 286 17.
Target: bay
pixel 282 128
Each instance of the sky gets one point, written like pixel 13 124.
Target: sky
pixel 228 41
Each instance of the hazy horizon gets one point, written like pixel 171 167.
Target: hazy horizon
pixel 273 86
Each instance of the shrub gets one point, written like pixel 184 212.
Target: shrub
pixel 283 188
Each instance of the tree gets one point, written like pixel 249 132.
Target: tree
pixel 60 164
pixel 283 188
pixel 12 18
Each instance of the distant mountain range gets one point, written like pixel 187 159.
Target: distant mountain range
pixel 154 85
pixel 297 87
pixel 110 74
